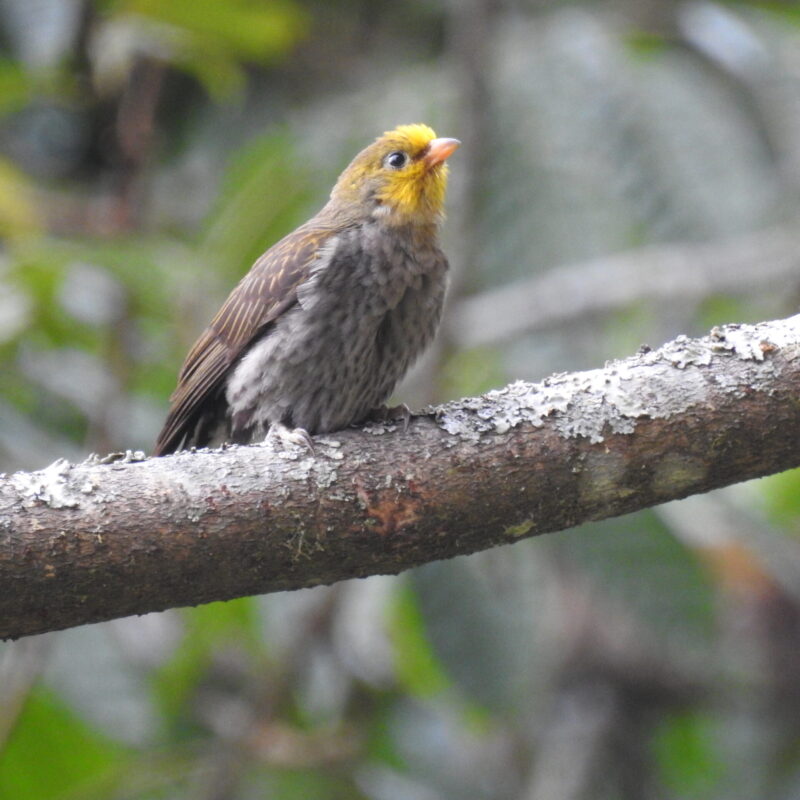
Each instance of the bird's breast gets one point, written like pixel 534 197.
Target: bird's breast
pixel 369 306
pixel 369 268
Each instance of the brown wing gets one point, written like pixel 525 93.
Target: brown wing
pixel 260 297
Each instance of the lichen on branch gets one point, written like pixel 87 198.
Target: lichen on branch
pixel 126 534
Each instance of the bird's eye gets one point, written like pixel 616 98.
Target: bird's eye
pixel 396 160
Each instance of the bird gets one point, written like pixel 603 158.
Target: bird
pixel 317 334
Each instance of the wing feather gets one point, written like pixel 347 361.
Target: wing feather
pixel 266 292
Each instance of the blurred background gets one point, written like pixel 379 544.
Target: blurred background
pixel 630 171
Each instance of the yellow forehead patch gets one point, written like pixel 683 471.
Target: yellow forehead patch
pixel 416 192
pixel 413 138
pixel 413 193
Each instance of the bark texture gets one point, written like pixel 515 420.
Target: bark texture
pixel 92 541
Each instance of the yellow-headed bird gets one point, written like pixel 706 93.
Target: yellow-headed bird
pixel 317 334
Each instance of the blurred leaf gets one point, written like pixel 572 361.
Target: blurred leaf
pixel 18 214
pixel 15 308
pixel 720 309
pixel 210 629
pixel 128 343
pixel 479 614
pixel 782 498
pixel 622 329
pixel 221 75
pixel 92 672
pixel 642 568
pixel 250 28
pixel 213 624
pixel 418 669
pixel 53 755
pixel 689 765
pixel 787 11
pixel 15 86
pixel 304 785
pixel 473 371
pixel 210 39
pixel 264 196
pixel 380 744
pixel 646 44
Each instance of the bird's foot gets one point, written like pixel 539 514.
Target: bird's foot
pixel 385 413
pixel 286 435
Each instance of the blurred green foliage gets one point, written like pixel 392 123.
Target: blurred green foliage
pixel 690 765
pixel 152 150
pixel 418 670
pixel 242 225
pixel 212 40
pixel 782 500
pixel 209 630
pixel 80 762
pixel 647 572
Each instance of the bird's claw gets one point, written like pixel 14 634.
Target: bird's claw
pixel 386 413
pixel 298 436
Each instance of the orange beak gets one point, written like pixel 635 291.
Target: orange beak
pixel 439 150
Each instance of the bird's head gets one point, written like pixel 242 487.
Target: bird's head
pixel 400 178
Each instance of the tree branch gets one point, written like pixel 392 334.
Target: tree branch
pixel 92 541
pixel 669 272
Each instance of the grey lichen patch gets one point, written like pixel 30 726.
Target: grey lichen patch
pixel 380 427
pixel 49 486
pixel 755 342
pixel 296 464
pixel 128 457
pixel 502 409
pixel 674 473
pixel 683 352
pixel 323 475
pixel 591 404
pixel 601 402
pixel 331 448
